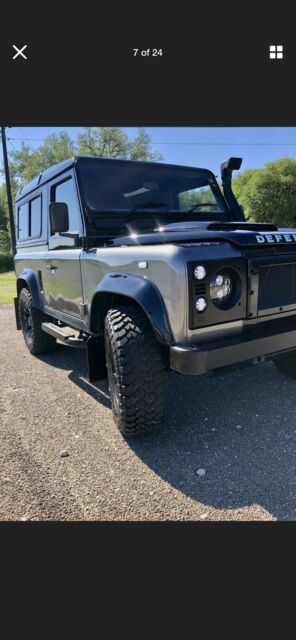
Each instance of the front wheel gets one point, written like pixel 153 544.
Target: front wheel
pixel 136 371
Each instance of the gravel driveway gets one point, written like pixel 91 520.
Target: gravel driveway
pixel 237 431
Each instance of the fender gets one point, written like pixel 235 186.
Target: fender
pixel 32 283
pixel 140 290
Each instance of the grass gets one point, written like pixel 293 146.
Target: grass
pixel 7 287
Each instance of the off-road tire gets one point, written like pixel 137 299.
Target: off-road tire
pixel 31 319
pixel 286 364
pixel 136 371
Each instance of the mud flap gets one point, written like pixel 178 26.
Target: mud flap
pixel 96 358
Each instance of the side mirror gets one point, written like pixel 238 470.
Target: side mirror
pixel 59 217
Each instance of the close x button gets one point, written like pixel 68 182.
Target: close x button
pixel 19 52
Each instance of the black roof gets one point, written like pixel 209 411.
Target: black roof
pixel 61 167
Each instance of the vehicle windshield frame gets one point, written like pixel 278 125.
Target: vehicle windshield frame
pixel 177 214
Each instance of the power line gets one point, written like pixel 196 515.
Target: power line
pixel 22 133
pixel 27 139
pixel 11 144
pixel 202 144
pixel 240 144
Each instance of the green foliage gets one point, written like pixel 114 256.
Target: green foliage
pixel 26 163
pixel 5 247
pixel 241 185
pixel 139 148
pixel 112 142
pixel 269 194
pixel 3 209
pixel 4 242
pixel 6 262
pixel 188 199
pixel 103 141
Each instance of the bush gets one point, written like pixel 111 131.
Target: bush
pixel 6 259
pixel 6 263
pixel 269 194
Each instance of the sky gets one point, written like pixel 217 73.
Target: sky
pixel 193 146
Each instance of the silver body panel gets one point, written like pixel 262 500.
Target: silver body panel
pixel 79 273
pixel 166 269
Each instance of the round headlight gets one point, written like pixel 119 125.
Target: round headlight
pixel 200 272
pixel 225 288
pixel 221 287
pixel 201 304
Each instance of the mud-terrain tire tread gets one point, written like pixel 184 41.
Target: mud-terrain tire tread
pixel 139 369
pixel 41 342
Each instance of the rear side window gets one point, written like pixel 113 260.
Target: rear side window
pixel 35 218
pixel 23 221
pixel 29 219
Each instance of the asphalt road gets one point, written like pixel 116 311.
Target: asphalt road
pixel 239 429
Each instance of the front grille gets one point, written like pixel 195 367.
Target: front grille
pixel 277 286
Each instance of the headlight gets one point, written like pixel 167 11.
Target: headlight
pixel 200 272
pixel 201 304
pixel 225 288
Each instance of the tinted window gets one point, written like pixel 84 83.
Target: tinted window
pixel 35 217
pixel 66 192
pixel 23 221
pixel 113 186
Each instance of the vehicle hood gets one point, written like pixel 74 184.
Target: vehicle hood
pixel 242 234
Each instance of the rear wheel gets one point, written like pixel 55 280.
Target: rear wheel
pixel 136 371
pixel 286 363
pixel 31 320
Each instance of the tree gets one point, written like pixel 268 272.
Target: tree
pixel 140 148
pixel 112 142
pixel 241 185
pixel 5 246
pixel 26 163
pixel 3 209
pixel 269 194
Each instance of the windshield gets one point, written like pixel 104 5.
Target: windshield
pixel 116 186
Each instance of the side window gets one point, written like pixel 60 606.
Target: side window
pixel 35 218
pixel 29 219
pixel 66 192
pixel 23 221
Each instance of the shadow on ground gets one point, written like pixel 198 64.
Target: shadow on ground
pixel 240 428
pixel 74 361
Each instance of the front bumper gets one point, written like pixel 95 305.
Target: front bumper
pixel 253 346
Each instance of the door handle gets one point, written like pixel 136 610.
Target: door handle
pixel 52 267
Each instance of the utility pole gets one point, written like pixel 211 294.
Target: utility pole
pixel 8 191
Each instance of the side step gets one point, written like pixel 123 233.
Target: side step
pixel 62 334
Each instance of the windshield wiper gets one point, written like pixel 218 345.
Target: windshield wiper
pixel 201 204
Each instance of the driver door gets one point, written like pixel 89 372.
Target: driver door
pixel 61 277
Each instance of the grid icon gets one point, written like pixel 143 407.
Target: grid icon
pixel 276 51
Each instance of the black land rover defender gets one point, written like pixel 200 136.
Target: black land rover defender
pixel 150 267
